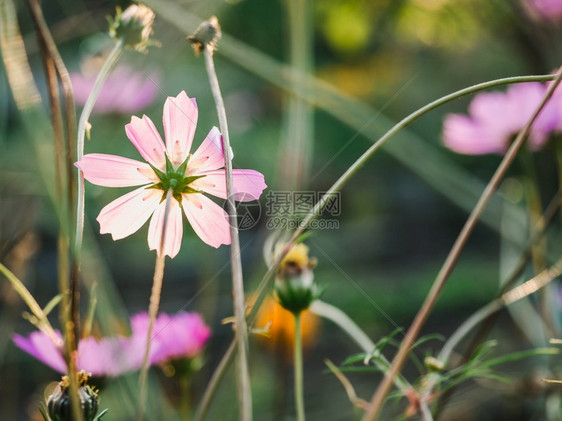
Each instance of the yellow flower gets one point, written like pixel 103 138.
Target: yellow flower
pixel 294 282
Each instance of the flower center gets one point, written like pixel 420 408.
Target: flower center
pixel 174 179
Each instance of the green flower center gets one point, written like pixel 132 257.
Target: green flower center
pixel 174 179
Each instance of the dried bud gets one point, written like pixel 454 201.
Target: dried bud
pixel 133 26
pixel 294 282
pixel 206 34
pixel 58 403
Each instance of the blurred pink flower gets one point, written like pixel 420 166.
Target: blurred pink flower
pixel 546 9
pixel 170 167
pixel 496 117
pixel 178 336
pixel 182 335
pixel 125 91
pixel 104 357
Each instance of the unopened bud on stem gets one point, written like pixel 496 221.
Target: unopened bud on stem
pixel 206 34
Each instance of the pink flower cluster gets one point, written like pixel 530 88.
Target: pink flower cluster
pixel 182 335
pixel 496 117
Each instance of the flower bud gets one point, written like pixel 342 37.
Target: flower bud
pixel 434 365
pixel 207 33
pixel 58 403
pixel 133 26
pixel 294 282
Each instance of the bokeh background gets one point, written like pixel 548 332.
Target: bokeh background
pixel 370 64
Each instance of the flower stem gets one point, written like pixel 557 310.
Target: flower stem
pixel 213 384
pixel 243 377
pixel 88 107
pixel 153 309
pixel 54 66
pixel 299 397
pixel 381 392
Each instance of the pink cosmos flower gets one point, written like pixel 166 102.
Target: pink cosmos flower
pixel 170 166
pixel 105 357
pixel 495 117
pixel 125 91
pixel 178 336
pixel 182 335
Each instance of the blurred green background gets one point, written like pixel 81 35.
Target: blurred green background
pixel 377 61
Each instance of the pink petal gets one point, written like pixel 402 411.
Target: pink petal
pixel 209 220
pixel 128 213
pixel 115 171
pixel 97 357
pixel 40 346
pixel 174 229
pixel 248 184
pixel 182 335
pixel 547 9
pixel 180 121
pixel 463 135
pixel 524 99
pixel 209 156
pixel 145 137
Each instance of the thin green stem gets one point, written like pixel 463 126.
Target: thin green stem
pixel 299 396
pixel 185 395
pixel 82 123
pixel 381 392
pixel 243 377
pixel 213 384
pixel 153 309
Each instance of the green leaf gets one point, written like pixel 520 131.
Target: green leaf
pixel 101 414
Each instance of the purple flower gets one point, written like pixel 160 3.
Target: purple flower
pixel 179 336
pixel 182 335
pixel 125 91
pixel 39 345
pixel 496 117
pixel 546 9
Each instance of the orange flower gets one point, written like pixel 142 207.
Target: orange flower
pixel 280 336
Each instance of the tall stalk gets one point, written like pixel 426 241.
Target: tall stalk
pixel 243 377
